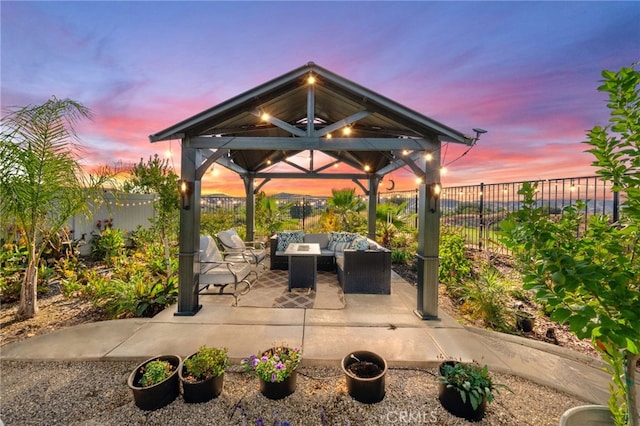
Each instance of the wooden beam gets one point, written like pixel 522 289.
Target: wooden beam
pixel 344 122
pixel 281 124
pixel 312 175
pixel 311 143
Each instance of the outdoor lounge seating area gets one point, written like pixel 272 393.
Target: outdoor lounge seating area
pixel 362 265
pixel 234 248
pixel 232 277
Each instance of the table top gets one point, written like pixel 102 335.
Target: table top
pixel 303 249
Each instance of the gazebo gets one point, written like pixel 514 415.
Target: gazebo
pixel 311 109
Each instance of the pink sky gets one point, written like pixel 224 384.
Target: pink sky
pixel 526 72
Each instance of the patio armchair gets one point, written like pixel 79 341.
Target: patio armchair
pixel 233 278
pixel 235 249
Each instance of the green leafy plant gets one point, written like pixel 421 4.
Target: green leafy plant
pixel 107 245
pixel 402 256
pixel 155 372
pixel 13 260
pixel 207 362
pixel 472 381
pixel 41 184
pixel 591 279
pixel 347 207
pixel 151 298
pixel 487 297
pixel 274 365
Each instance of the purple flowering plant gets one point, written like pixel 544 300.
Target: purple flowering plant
pixel 275 364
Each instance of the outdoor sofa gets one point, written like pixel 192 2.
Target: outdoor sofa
pixel 362 265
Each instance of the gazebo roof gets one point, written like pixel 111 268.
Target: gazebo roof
pixel 248 141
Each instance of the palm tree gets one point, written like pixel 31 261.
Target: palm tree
pixel 41 183
pixel 272 216
pixel 347 207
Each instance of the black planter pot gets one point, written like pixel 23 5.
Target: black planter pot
pixel 367 390
pixel 161 394
pixel 524 321
pixel 202 391
pixel 279 390
pixel 452 401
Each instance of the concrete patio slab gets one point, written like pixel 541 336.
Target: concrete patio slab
pixel 185 339
pixel 327 345
pixel 83 342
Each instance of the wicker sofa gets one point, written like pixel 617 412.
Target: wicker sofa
pixel 362 265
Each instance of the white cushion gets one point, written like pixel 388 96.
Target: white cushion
pixel 237 242
pixel 220 273
pixel 226 238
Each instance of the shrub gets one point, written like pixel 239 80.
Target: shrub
pixel 13 261
pixel 454 264
pixel 401 256
pixel 155 372
pixel 487 297
pixel 207 362
pixel 107 245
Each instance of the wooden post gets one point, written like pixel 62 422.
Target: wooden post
pixel 428 241
pixel 189 238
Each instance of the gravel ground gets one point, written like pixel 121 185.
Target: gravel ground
pixel 96 393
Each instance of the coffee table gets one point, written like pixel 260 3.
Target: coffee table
pixel 303 259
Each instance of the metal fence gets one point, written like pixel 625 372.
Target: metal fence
pixel 304 210
pixel 473 210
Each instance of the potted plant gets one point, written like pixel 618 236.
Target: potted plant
pixel 202 374
pixel 524 320
pixel 365 376
pixel 154 383
pixel 277 370
pixel 465 389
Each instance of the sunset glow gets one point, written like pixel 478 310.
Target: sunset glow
pixel 525 71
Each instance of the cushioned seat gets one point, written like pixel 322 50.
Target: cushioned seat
pixel 237 250
pixel 221 273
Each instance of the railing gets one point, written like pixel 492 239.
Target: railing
pixel 304 210
pixel 474 210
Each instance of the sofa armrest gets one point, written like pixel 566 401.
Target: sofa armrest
pixel 366 271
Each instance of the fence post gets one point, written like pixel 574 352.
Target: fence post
pixel 481 236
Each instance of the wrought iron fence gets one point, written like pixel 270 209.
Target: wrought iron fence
pixel 473 210
pixel 476 210
pixel 302 211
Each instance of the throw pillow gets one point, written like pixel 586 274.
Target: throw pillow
pixel 286 237
pixel 340 237
pixel 360 243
